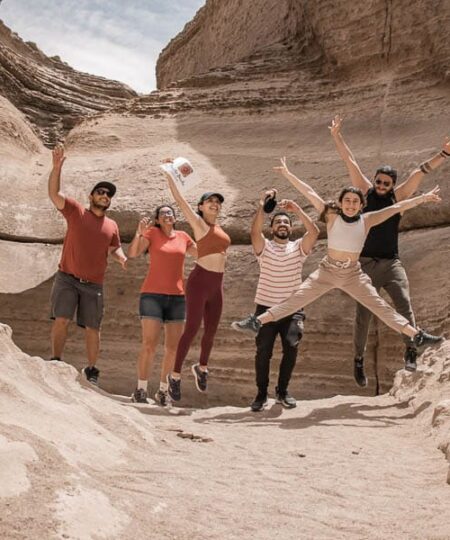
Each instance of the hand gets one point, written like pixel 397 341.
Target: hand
pixel 433 195
pixel 268 193
pixel 283 168
pixel 289 206
pixel 336 125
pixel 143 225
pixel 58 156
pixel 446 145
pixel 123 262
pixel 167 160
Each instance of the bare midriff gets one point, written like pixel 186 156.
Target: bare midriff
pixel 342 255
pixel 214 262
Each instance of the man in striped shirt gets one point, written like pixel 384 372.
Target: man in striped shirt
pixel 281 262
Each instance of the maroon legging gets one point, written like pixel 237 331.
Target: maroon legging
pixel 204 299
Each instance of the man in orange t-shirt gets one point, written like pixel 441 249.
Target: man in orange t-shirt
pixel 78 286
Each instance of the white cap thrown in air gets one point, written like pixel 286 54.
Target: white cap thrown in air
pixel 182 172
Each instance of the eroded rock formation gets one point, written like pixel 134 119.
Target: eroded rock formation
pixel 238 105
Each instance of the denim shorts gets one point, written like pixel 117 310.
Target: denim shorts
pixel 166 308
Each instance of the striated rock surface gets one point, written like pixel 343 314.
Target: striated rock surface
pixel 238 105
pixel 52 95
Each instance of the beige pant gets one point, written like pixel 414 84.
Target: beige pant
pixel 352 280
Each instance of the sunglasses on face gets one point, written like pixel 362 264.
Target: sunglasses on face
pixel 102 191
pixel 384 183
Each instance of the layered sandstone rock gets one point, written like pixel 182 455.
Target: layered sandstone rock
pixel 52 95
pixel 270 94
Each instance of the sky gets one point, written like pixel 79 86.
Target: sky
pixel 112 38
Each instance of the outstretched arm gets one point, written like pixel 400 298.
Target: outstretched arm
pixel 407 188
pixel 312 230
pixel 357 177
pixel 54 180
pixel 375 218
pixel 256 233
pixel 195 221
pixel 314 198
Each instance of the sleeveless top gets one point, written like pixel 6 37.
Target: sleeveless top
pixel 382 240
pixel 347 236
pixel 216 240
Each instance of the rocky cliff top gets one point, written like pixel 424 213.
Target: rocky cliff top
pixel 52 95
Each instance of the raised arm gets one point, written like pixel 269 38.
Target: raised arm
pixel 312 230
pixel 139 243
pixel 54 180
pixel 195 221
pixel 314 198
pixel 374 218
pixel 407 188
pixel 357 177
pixel 256 233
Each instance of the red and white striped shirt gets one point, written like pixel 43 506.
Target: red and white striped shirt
pixel 280 271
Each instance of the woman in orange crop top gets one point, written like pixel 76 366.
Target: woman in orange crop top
pixel 204 287
pixel 162 298
pixel 347 228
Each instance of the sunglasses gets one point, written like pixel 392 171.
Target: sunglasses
pixel 384 183
pixel 102 191
pixel 167 213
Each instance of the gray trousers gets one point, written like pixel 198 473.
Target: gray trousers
pixel 390 275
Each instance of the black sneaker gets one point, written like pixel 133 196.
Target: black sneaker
pixel 139 396
pixel 250 325
pixel 410 359
pixel 200 377
pixel 162 398
pixel 358 372
pixel 285 399
pixel 91 374
pixel 260 402
pixel 422 339
pixel 174 388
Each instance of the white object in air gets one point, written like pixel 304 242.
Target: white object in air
pixel 182 173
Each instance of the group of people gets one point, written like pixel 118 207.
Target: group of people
pixel 362 258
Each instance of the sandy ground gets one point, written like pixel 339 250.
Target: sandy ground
pixel 78 463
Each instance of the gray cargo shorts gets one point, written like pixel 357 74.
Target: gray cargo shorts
pixel 70 294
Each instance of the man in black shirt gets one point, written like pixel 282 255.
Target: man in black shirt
pixel 379 258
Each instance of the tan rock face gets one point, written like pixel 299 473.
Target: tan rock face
pixel 52 95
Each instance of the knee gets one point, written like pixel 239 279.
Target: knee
pixel 61 323
pixel 149 345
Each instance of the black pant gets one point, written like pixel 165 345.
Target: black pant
pixel 290 330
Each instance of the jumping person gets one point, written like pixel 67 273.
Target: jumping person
pixel 204 287
pixel 78 285
pixel 162 300
pixel 281 262
pixel 379 258
pixel 347 228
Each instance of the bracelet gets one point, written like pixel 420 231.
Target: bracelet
pixel 444 154
pixel 425 167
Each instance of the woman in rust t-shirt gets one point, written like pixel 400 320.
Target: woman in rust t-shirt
pixel 162 300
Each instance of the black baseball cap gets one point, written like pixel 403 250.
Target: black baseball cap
pixel 107 185
pixel 209 194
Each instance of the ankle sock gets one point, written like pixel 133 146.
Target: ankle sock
pixel 142 384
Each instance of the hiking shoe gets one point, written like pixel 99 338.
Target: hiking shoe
pixel 139 396
pixel 91 374
pixel 285 399
pixel 200 377
pixel 260 402
pixel 162 398
pixel 250 325
pixel 358 372
pixel 174 388
pixel 422 339
pixel 410 359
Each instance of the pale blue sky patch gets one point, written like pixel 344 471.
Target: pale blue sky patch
pixel 118 40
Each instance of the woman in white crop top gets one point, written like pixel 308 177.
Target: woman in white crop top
pixel 347 229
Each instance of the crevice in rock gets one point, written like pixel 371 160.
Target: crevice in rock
pixel 386 38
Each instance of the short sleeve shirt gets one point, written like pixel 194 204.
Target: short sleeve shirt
pixel 166 270
pixel 280 275
pixel 87 242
